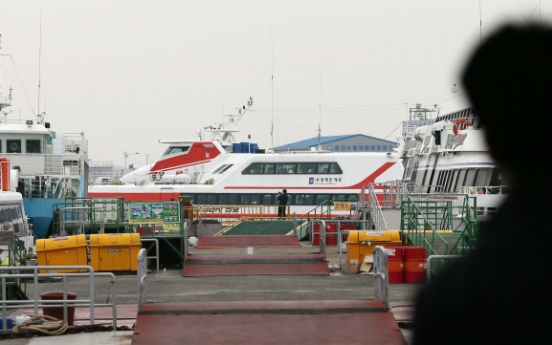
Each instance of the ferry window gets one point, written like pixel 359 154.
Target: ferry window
pixel 452 181
pixel 461 180
pixel 353 198
pixel 226 168
pixel 321 198
pixel 335 169
pixel 267 199
pixel 482 177
pixel 306 168
pixel 285 168
pixel 201 199
pixel 33 146
pixel 176 149
pixel 255 199
pixel 13 146
pixel 323 168
pixel 220 168
pixel 470 177
pixel 211 199
pixel 340 197
pixel 255 168
pixel 233 199
pixel 300 199
pixel 270 168
pixel 245 199
pixel 223 199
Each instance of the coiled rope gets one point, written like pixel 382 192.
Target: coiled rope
pixel 43 324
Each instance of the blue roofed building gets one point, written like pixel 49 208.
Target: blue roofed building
pixel 341 143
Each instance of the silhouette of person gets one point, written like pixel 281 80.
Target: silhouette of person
pixel 282 203
pixel 501 292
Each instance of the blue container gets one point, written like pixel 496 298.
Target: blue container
pixel 245 147
pixel 236 148
pixel 254 148
pixel 9 323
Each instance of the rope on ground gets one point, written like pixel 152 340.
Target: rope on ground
pixel 43 324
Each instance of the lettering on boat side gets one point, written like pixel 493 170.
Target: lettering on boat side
pixel 331 180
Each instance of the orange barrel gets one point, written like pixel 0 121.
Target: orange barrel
pixel 395 264
pixel 331 234
pixel 346 226
pixel 5 177
pixel 316 234
pixel 415 259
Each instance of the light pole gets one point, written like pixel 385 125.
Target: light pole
pixel 126 154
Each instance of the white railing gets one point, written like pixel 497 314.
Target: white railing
pixel 31 164
pixel 142 276
pixel 7 273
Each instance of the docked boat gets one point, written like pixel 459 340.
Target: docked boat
pixel 45 168
pixel 16 241
pixel 449 155
pixel 220 171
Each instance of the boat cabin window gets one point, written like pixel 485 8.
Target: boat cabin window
pixel 270 168
pixel 291 168
pixel 306 168
pixel 323 168
pixel 176 149
pixel 255 168
pixel 33 146
pixel 321 198
pixel 13 146
pixel 285 168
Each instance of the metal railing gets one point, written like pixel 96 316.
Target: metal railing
pixel 442 258
pixel 36 302
pixel 381 275
pixel 142 276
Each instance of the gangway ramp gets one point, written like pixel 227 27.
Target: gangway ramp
pixel 267 322
pixel 253 255
pixel 260 227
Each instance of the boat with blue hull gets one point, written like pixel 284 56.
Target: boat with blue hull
pixel 45 168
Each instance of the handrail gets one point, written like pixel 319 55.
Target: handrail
pixel 435 257
pixel 156 257
pixel 375 210
pixel 381 275
pixel 322 235
pixel 142 276
pixel 36 302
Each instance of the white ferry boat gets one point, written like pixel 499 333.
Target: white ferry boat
pixel 222 172
pixel 450 155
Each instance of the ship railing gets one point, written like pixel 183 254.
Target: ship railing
pixel 32 164
pixel 375 209
pixel 442 223
pixel 485 190
pixel 35 300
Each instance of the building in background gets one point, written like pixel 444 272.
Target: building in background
pixel 341 143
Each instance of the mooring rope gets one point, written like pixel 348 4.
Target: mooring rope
pixel 44 324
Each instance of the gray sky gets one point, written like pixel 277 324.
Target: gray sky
pixel 128 73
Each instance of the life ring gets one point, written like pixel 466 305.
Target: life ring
pixel 461 124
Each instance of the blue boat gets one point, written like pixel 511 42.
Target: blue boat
pixel 44 168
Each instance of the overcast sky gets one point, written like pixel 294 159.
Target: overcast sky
pixel 129 73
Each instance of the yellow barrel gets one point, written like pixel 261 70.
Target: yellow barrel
pixel 114 252
pixel 62 251
pixel 361 243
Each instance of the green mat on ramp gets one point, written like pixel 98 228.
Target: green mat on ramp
pixel 262 227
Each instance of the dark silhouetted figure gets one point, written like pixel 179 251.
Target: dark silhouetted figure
pixel 501 293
